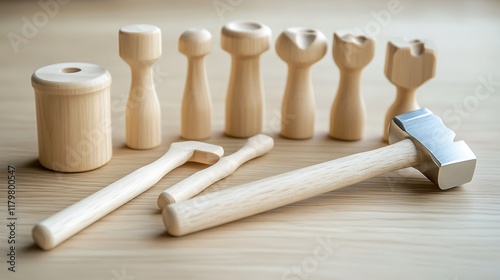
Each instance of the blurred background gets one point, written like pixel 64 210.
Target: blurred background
pixel 38 33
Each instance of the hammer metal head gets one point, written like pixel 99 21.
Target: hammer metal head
pixel 446 163
pixel 201 152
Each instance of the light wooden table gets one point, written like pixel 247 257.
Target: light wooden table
pixel 397 226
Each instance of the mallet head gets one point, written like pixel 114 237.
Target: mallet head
pixel 446 163
pixel 201 152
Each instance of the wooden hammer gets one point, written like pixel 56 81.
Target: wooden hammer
pixel 56 229
pixel 420 138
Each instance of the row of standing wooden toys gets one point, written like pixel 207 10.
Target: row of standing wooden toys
pixel 72 99
pixel 408 65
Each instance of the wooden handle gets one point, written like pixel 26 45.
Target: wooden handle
pixel 196 183
pixel 66 223
pixel 235 203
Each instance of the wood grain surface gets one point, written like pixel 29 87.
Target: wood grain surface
pixel 395 226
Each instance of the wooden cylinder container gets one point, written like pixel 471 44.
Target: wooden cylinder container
pixel 73 116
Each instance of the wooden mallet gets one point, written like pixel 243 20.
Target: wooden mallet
pixel 68 222
pixel 420 140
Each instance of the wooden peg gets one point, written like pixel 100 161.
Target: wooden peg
pixel 196 112
pixel 351 53
pixel 140 47
pixel 245 41
pixel 300 48
pixel 408 64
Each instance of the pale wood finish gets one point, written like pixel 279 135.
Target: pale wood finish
pixel 245 41
pixel 256 146
pixel 351 52
pixel 140 47
pixel 196 110
pixel 256 197
pixel 73 116
pixel 300 48
pixel 408 64
pixel 59 227
pixel 394 226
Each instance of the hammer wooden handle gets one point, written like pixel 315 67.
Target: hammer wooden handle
pixel 235 203
pixel 196 183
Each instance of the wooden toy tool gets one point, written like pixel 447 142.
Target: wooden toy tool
pixel 300 48
pixel 419 139
pixel 140 47
pixel 66 223
pixel 408 64
pixel 351 53
pixel 196 110
pixel 73 116
pixel 256 146
pixel 245 41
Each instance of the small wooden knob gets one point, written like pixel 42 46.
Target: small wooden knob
pixel 300 48
pixel 140 47
pixel 73 116
pixel 351 52
pixel 408 64
pixel 245 41
pixel 196 111
pixel 195 42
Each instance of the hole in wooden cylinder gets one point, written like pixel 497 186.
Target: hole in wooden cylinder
pixel 310 31
pixel 245 26
pixel 71 70
pixel 417 47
